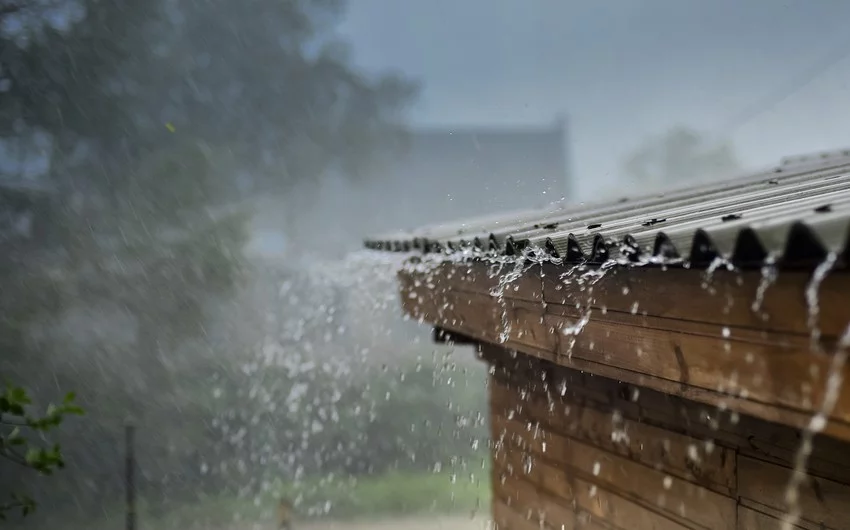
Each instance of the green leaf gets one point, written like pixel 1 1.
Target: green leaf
pixel 18 395
pixel 34 456
pixel 69 398
pixel 72 409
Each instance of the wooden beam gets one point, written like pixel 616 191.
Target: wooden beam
pixel 735 340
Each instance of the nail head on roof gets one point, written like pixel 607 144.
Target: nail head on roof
pixel 730 217
pixel 826 208
pixel 594 226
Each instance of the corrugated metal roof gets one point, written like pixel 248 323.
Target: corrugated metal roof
pixel 796 212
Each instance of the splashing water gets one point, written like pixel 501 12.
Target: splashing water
pixel 714 266
pixel 498 292
pixel 834 382
pixel 326 342
pixel 812 297
pixel 519 265
pixel 768 278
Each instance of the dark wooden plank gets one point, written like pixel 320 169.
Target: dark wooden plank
pixel 673 363
pixel 623 513
pixel 750 436
pixel 768 517
pixel 507 518
pixel 673 453
pixel 524 497
pixel 726 299
pixel 749 519
pixel 823 502
pixel 679 499
pixel 791 376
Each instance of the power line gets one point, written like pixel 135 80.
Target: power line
pixel 794 85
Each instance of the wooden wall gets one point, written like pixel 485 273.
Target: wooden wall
pixel 574 450
pixel 676 331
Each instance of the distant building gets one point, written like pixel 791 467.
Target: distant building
pixel 450 172
pixel 436 175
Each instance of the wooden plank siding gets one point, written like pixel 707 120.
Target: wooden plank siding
pixel 575 450
pixel 677 331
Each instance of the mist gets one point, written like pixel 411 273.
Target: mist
pixel 185 188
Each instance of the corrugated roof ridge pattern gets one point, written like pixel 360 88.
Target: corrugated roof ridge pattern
pixel 795 213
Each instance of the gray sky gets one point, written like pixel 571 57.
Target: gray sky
pixel 621 69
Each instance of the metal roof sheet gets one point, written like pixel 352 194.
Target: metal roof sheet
pixel 794 213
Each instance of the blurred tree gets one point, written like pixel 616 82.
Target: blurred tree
pixel 680 155
pixel 269 79
pixel 152 109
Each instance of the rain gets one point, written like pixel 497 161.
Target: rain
pixel 337 264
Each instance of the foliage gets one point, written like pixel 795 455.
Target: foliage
pixel 152 114
pixel 15 446
pixel 680 155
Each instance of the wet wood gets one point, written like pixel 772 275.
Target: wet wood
pixel 672 331
pixel 785 374
pixel 654 489
pixel 540 380
pixel 723 298
pixel 620 512
pixel 661 449
pixel 646 398
pixel 526 497
pixel 625 457
pixel 824 503
pixel 756 520
pixel 507 518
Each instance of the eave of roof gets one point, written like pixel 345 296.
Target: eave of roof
pixel 796 213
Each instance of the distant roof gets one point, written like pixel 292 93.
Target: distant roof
pixel 445 172
pixel 796 212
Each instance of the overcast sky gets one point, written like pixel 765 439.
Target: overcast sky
pixel 620 69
